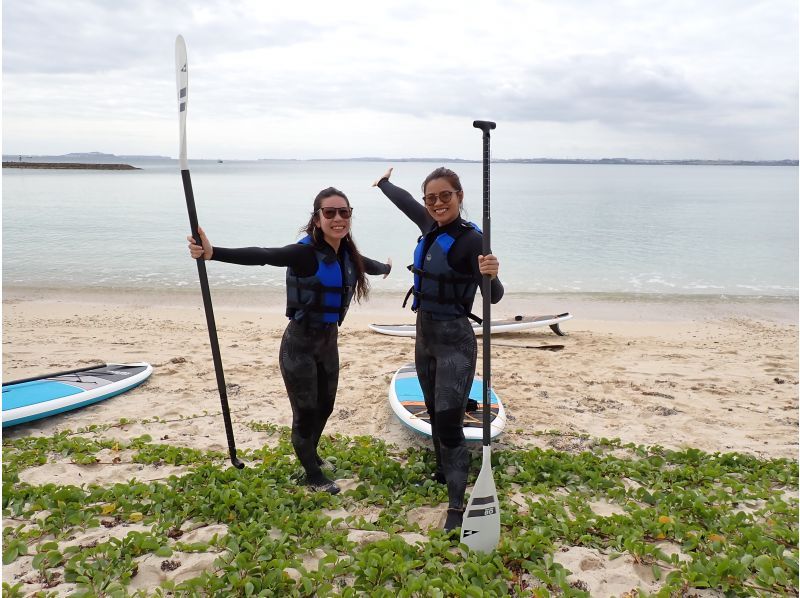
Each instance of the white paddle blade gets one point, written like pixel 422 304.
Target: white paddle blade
pixel 182 80
pixel 480 530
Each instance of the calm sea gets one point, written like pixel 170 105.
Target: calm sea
pixel 674 230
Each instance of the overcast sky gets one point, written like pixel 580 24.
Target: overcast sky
pixel 324 79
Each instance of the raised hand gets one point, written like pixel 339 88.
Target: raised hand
pixel 385 176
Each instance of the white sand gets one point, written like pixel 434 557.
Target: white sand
pixel 718 376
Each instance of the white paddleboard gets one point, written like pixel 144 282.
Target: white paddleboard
pixel 497 327
pixel 407 402
pixel 42 396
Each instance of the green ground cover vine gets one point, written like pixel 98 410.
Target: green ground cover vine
pixel 730 518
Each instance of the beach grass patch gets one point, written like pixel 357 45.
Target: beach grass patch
pixel 693 520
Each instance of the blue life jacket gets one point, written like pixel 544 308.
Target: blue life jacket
pixel 324 297
pixel 438 289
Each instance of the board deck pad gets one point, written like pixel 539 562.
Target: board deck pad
pixel 49 394
pixel 408 403
pixel 515 324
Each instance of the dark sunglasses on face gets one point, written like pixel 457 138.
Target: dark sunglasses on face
pixel 444 196
pixel 330 213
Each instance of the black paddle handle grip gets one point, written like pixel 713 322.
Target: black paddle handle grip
pixel 484 125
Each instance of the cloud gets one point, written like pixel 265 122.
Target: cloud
pixel 87 36
pixel 669 73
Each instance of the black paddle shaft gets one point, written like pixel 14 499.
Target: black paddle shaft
pixel 212 326
pixel 486 285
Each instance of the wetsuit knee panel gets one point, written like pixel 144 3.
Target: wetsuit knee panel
pixel 304 424
pixel 450 427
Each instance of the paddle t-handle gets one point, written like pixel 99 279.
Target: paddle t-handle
pixel 484 125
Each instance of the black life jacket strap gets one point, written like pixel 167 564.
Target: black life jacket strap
pixel 437 298
pixel 315 287
pixel 410 292
pixel 454 279
pixel 313 307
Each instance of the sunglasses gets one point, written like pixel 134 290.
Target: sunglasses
pixel 444 196
pixel 330 213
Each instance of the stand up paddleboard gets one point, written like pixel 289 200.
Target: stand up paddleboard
pixel 408 404
pixel 42 396
pixel 498 326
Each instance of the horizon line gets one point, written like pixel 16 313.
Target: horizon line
pixel 617 160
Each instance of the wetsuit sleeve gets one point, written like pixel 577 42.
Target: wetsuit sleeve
pixel 415 211
pixel 497 290
pixel 374 267
pixel 300 258
pixel 464 259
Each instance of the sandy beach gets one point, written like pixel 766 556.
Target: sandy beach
pixel 714 375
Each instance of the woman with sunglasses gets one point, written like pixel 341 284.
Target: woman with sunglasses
pixel 324 272
pixel 448 267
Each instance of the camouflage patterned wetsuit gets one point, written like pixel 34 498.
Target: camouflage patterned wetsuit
pixel 309 360
pixel 309 353
pixel 446 349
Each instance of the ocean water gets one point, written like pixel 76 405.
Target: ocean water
pixel 666 230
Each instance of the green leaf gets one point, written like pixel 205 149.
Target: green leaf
pixel 10 554
pixel 763 562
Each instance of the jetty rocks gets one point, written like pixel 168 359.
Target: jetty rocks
pixel 69 166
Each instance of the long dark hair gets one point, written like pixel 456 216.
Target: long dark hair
pixel 362 283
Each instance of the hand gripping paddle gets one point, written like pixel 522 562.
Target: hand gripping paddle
pixel 182 75
pixel 480 530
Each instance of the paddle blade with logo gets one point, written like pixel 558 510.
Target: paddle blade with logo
pixel 481 527
pixel 182 80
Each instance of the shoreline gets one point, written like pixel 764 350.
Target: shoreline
pixel 594 306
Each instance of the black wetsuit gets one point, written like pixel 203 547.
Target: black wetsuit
pixel 446 350
pixel 309 354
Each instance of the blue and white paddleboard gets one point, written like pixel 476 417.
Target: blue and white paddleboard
pixel 42 396
pixel 408 404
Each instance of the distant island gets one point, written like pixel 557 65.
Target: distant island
pixel 630 161
pixel 652 162
pixel 77 161
pixel 69 166
pixel 105 161
pixel 94 157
